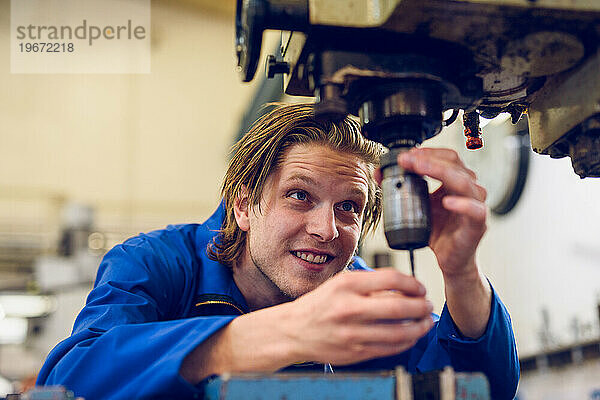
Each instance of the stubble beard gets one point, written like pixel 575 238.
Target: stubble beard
pixel 285 295
pixel 286 291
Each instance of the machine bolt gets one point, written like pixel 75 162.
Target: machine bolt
pixel 472 130
pixel 274 67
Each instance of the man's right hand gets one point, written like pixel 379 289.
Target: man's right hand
pixel 357 316
pixel 354 316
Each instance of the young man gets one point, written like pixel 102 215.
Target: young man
pixel 271 281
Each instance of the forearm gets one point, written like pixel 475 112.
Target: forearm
pixel 254 342
pixel 468 297
pixel 335 323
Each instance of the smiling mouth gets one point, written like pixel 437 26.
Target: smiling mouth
pixel 313 258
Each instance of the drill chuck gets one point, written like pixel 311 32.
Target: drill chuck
pixel 406 209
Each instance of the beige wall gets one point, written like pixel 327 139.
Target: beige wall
pixel 144 150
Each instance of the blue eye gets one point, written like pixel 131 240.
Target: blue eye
pixel 348 206
pixel 299 195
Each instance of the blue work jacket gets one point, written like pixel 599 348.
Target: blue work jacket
pixel 158 296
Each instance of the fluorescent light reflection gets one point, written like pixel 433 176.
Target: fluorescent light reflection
pixel 13 330
pixel 26 306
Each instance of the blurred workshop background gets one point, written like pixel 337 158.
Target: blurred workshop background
pixel 87 160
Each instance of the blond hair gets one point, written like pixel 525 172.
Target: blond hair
pixel 260 152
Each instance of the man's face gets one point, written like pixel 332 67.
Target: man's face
pixel 310 219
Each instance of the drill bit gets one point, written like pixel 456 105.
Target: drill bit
pixel 412 261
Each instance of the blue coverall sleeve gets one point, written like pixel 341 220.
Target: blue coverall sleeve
pixel 494 353
pixel 125 343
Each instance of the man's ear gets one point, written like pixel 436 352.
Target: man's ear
pixel 241 210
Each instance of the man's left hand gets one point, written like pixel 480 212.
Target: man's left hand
pixel 457 207
pixel 458 224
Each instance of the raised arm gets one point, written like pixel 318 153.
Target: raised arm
pixel 459 222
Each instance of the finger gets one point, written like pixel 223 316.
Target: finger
pixel 442 153
pixel 375 350
pixel 394 307
pixel 474 210
pixel 392 334
pixel 366 282
pixel 379 350
pixel 445 154
pixel 455 178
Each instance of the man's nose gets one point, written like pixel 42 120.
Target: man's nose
pixel 322 225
